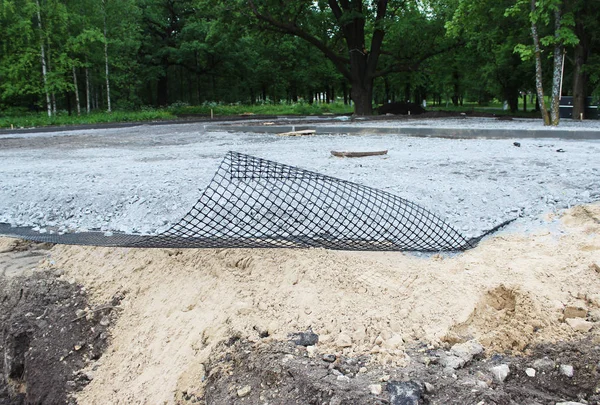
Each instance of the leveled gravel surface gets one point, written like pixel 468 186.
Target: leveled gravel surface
pixel 143 179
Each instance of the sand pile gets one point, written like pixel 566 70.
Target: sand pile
pixel 509 293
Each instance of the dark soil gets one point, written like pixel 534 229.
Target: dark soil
pixel 47 335
pixel 283 373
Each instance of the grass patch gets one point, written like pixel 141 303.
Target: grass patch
pixel 32 120
pixel 263 109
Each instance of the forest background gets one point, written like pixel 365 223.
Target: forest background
pixel 150 59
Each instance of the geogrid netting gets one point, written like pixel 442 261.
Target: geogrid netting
pixel 252 203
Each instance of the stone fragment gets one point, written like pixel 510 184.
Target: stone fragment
pixel 574 312
pixel 308 338
pixel 544 364
pixel 530 372
pixel 579 324
pixel 244 391
pixel 500 372
pixel 566 370
pixel 311 350
pixel 429 388
pixel 467 350
pixel 404 392
pixel 343 340
pixel 570 403
pixel 343 378
pixel 329 358
pixel 394 342
pixel 375 389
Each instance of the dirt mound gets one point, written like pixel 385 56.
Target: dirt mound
pixel 47 333
pixel 511 293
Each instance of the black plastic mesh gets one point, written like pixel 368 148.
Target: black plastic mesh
pixel 253 203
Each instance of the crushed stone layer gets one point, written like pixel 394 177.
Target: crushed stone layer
pixel 509 293
pixel 144 179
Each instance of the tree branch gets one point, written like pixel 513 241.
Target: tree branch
pixel 292 29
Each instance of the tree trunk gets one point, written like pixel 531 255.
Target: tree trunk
pixel 108 106
pixel 43 59
pixel 539 87
pixel 76 92
pixel 162 94
pixel 362 95
pixel 580 76
pixel 557 70
pixel 87 88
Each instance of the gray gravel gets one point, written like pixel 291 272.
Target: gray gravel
pixel 145 178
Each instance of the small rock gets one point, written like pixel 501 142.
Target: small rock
pixel 375 389
pixel 394 342
pixel 566 370
pixel 429 388
pixel 544 364
pixel 561 150
pixel 80 313
pixel 336 372
pixel 343 340
pixel 362 370
pixel 500 372
pixel 574 312
pixel 385 378
pixel 329 358
pixel 482 384
pixel 305 338
pixel 570 403
pixel 452 362
pixel 517 144
pixel 244 391
pixel 343 378
pixel 530 372
pixel 404 392
pixel 580 325
pixel 105 321
pixel 77 347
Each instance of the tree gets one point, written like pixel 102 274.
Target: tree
pixel 350 33
pixel 550 17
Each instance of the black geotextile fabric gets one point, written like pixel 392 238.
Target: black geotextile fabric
pixel 257 203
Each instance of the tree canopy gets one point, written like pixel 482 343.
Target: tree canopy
pixel 83 55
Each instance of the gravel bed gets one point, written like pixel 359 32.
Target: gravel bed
pixel 145 178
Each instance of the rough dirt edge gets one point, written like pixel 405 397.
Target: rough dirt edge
pixel 47 331
pixel 509 294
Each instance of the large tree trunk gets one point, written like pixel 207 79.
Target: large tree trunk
pixel 362 95
pixel 539 86
pixel 43 59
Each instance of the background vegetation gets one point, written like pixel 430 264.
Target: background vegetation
pixel 61 58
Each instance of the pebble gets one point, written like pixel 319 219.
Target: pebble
pixel 544 364
pixel 343 340
pixel 566 370
pixel 343 378
pixel 579 325
pixel 244 391
pixel 500 372
pixel 305 338
pixel 429 388
pixel 404 392
pixel 362 370
pixel 574 312
pixel 375 389
pixel 329 358
pixel 530 372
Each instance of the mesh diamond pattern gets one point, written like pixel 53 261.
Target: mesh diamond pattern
pixel 257 203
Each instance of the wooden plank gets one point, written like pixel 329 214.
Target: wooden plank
pixel 358 154
pixel 299 133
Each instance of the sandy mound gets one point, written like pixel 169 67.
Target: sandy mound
pixel 509 293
